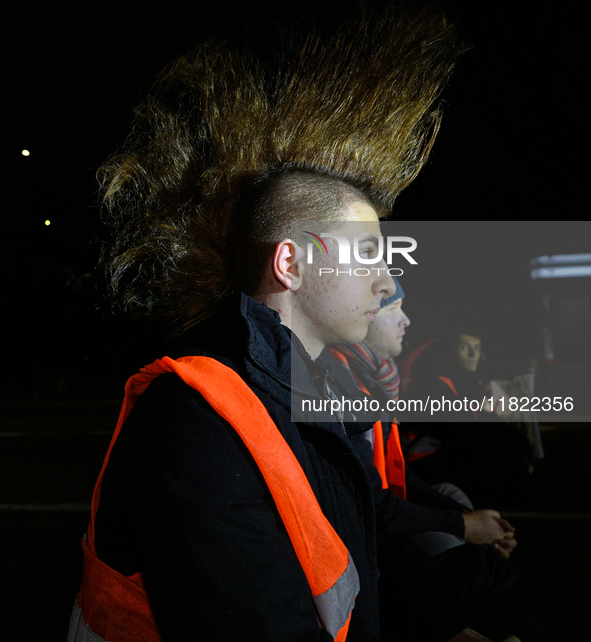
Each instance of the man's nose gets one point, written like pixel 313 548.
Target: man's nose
pixel 384 283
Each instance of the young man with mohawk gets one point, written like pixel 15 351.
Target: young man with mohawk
pixel 215 515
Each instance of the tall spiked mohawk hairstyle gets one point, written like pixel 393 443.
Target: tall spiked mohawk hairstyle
pixel 358 107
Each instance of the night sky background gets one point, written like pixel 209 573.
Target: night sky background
pixel 510 149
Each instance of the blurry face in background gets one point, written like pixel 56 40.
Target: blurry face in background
pixel 385 334
pixel 468 352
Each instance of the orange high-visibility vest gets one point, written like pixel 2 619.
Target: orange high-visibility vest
pixel 405 365
pixel 450 384
pixel 387 458
pixel 116 608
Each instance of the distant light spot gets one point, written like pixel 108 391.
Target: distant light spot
pixel 26 152
pixel 48 222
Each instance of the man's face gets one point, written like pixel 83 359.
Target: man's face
pixel 385 335
pixel 331 307
pixel 467 352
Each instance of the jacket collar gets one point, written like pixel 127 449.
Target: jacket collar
pixel 276 360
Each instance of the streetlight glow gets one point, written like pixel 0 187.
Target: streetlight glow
pixel 48 222
pixel 26 152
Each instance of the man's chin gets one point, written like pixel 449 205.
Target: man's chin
pixel 357 336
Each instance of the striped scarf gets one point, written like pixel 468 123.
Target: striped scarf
pixel 384 371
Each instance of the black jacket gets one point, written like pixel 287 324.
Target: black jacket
pixel 184 503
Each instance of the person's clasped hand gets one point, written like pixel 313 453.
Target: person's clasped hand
pixel 486 526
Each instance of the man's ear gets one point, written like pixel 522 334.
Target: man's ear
pixel 288 264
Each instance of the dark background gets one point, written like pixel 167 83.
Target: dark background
pixel 510 149
pixel 477 275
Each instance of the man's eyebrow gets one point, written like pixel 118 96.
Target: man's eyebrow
pixel 372 238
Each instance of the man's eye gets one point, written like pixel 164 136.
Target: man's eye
pixel 367 253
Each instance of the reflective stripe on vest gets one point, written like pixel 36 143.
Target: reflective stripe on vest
pixel 116 608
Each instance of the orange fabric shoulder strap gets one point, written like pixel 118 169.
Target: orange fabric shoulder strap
pixel 329 569
pixel 395 464
pixel 405 365
pixel 449 383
